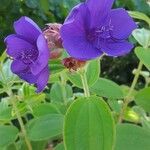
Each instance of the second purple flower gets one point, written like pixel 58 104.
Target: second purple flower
pixel 93 28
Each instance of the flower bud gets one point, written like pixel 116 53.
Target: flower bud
pixel 73 64
pixel 52 35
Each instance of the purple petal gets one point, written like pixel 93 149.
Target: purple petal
pixel 16 45
pixel 28 77
pixel 76 44
pixel 27 28
pixel 43 56
pixel 123 24
pixel 113 48
pixel 98 10
pixel 23 71
pixel 79 15
pixel 42 79
pixel 74 32
pixel 18 66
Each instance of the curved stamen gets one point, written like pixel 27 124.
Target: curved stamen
pixel 28 56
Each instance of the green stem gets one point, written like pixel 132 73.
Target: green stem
pixel 63 87
pixel 27 141
pixel 128 97
pixel 85 83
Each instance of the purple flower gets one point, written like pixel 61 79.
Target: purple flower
pixel 93 28
pixel 30 53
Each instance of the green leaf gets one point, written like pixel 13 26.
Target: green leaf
pixel 9 77
pixel 132 137
pixel 5 111
pixel 10 147
pixel 8 135
pixel 89 125
pixel 107 88
pixel 142 36
pixel 56 66
pixel 143 55
pixel 92 73
pixel 45 5
pixel 45 127
pixel 36 145
pixel 140 15
pixel 131 115
pixel 60 147
pixel 142 98
pixel 32 3
pixel 59 93
pixel 45 109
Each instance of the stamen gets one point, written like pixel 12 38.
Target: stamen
pixel 28 56
pixel 100 34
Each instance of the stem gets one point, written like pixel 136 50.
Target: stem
pixel 128 97
pixel 85 83
pixel 27 141
pixel 63 87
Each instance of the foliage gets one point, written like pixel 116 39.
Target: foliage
pixel 115 115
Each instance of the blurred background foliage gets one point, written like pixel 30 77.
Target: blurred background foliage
pixel 45 11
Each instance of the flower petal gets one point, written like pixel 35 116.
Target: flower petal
pixel 28 77
pixel 43 56
pixel 18 66
pixel 16 45
pixel 76 44
pixel 42 79
pixel 123 24
pixel 80 15
pixel 27 28
pixel 98 10
pixel 23 71
pixel 113 48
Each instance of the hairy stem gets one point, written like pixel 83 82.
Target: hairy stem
pixel 27 141
pixel 85 83
pixel 128 97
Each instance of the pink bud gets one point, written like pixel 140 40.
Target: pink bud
pixel 52 35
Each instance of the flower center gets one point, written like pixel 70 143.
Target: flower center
pixel 29 56
pixel 98 34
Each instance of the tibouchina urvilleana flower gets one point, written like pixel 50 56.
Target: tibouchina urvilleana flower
pixel 30 53
pixel 93 28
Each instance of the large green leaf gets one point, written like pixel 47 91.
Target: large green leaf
pixel 92 73
pixel 132 137
pixel 142 98
pixel 45 109
pixel 144 55
pixel 142 36
pixel 89 125
pixel 106 88
pixel 8 135
pixel 45 127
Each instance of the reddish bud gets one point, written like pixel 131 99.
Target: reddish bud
pixel 52 35
pixel 56 53
pixel 73 64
